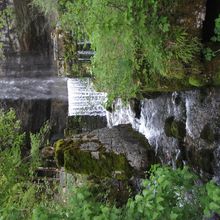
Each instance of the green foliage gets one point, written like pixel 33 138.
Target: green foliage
pixel 167 194
pixel 37 142
pixel 216 37
pixel 212 201
pixel 10 135
pixel 16 194
pixel 134 42
pixel 80 204
pixel 208 53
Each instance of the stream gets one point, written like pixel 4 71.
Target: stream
pixel 182 127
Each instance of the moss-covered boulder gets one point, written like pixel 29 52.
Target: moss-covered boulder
pixel 118 152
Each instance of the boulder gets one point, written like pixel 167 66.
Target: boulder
pixel 118 152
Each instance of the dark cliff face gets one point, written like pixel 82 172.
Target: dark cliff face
pixel 32 26
pixel 28 81
pixel 32 113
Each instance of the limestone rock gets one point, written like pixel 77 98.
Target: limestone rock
pixel 109 152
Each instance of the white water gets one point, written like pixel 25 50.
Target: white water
pixel 83 99
pixel 33 88
pixel 151 123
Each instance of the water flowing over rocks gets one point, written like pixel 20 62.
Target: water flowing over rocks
pixel 183 127
pixel 83 99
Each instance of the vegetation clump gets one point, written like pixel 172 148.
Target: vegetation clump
pixel 196 81
pixel 165 193
pixel 99 163
pixel 137 45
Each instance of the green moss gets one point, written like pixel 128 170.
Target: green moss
pixel 60 146
pixel 207 134
pixel 107 165
pixel 174 128
pixel 59 152
pixel 196 81
pixel 103 164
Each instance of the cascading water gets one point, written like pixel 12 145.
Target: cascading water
pixel 30 76
pixel 198 110
pixel 33 88
pixel 82 98
pixel 151 123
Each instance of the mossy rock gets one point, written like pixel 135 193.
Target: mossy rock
pixel 197 81
pixel 107 165
pixel 174 128
pixel 101 164
pixel 207 134
pixel 119 152
pixel 59 152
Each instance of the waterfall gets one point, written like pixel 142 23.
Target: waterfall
pixel 151 122
pixel 83 99
pixel 28 83
pixel 33 88
pixel 197 110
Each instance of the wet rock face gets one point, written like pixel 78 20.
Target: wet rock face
pixel 33 27
pixel 183 128
pixel 190 15
pixel 118 152
pixel 29 85
pixel 174 128
pixel 34 113
pixel 84 123
pixel 203 129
